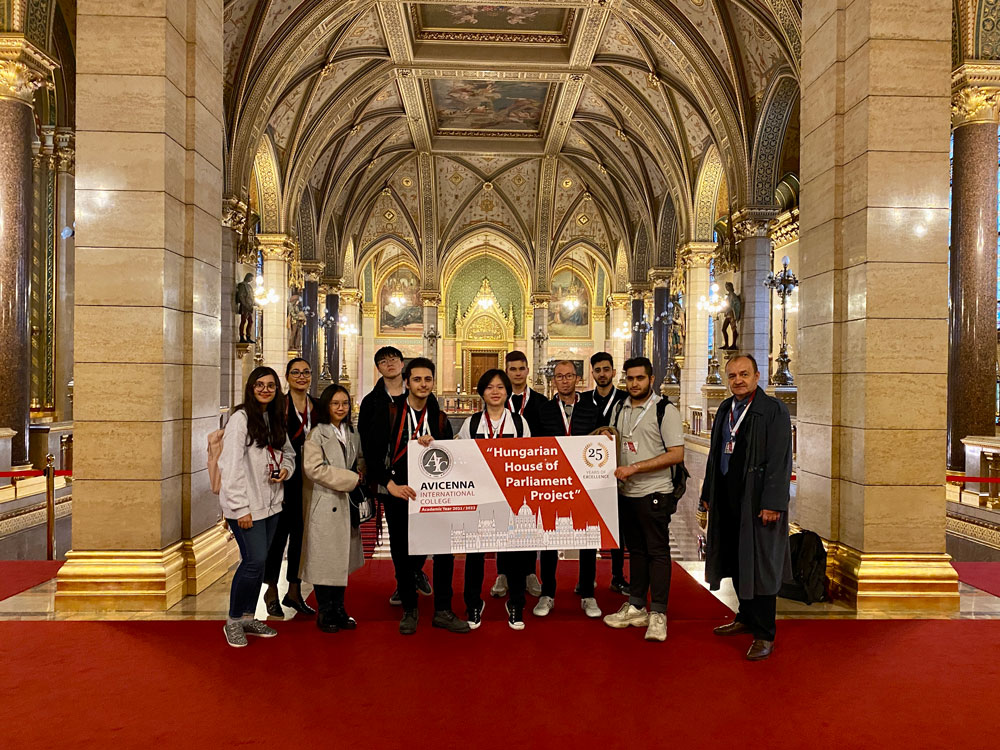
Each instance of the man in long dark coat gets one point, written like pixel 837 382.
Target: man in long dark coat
pixel 746 492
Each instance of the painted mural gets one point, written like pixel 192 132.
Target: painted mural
pixel 492 23
pixel 400 313
pixel 489 107
pixel 569 308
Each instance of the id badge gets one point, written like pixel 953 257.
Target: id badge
pixel 729 447
pixel 631 447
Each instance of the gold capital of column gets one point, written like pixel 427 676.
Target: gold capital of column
pixel 697 254
pixel 23 69
pixel 351 296
pixel 753 222
pixel 618 301
pixel 234 213
pixel 540 301
pixel 659 276
pixel 430 298
pixel 639 290
pixel 975 94
pixel 312 269
pixel 276 246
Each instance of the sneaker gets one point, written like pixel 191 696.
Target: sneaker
pixel 657 630
pixel 589 605
pixel 619 586
pixel 476 615
pixel 544 606
pixel 408 625
pixel 532 586
pixel 256 627
pixel 628 615
pixel 234 634
pixel 448 620
pixel 515 617
pixel 424 583
pixel 394 599
pixel 576 589
pixel 499 588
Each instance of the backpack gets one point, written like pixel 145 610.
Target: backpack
pixel 214 451
pixel 808 569
pixel 679 473
pixel 476 418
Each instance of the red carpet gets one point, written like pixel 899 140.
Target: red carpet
pixel 985 576
pixel 368 594
pixel 835 683
pixel 20 575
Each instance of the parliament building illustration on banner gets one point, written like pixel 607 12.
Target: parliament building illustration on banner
pixel 524 531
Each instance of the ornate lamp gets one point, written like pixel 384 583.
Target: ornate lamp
pixel 713 305
pixel 783 284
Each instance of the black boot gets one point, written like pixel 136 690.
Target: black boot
pixel 327 621
pixel 344 621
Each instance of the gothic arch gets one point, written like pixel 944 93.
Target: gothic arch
pixel 707 195
pixel 265 168
pixel 779 102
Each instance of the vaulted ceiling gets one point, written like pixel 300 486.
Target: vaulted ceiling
pixel 558 123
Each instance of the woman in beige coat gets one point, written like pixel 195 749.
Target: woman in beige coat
pixel 331 547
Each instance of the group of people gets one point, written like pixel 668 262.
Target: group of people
pixel 293 470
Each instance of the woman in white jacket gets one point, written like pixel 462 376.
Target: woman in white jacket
pixel 256 458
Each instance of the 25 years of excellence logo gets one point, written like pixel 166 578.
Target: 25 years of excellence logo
pixel 595 455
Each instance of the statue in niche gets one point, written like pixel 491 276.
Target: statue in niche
pixel 677 331
pixel 296 321
pixel 244 306
pixel 732 314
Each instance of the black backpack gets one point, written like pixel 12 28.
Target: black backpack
pixel 808 569
pixel 476 418
pixel 679 473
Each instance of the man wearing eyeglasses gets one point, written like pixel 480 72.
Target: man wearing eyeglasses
pixel 389 388
pixel 567 414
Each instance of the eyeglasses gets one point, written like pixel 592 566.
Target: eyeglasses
pixel 268 387
pixel 565 376
pixel 384 360
pixel 300 373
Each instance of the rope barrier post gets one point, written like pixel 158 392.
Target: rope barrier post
pixel 50 507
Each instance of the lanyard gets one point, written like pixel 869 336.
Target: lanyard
pixel 567 421
pixel 607 407
pixel 490 432
pixel 305 418
pixel 275 460
pixel 417 426
pixel 524 402
pixel 735 428
pixel 649 402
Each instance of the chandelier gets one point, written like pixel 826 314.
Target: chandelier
pixel 260 297
pixel 571 302
pixel 397 298
pixel 713 304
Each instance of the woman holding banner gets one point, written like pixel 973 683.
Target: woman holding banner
pixel 496 421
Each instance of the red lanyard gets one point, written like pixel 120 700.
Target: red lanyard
pixel 400 449
pixel 524 402
pixel 275 460
pixel 567 421
pixel 491 433
pixel 735 428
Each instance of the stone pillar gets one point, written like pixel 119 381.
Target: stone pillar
pixel 277 251
pixel 540 339
pixel 873 318
pixel 23 69
pixel 148 195
pixel 65 157
pixel 234 219
pixel 660 278
pixel 696 256
pixel 638 323
pixel 755 265
pixel 329 291
pixel 619 304
pixel 349 313
pixel 973 344
pixel 431 301
pixel 310 331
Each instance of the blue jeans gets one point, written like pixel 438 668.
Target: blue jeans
pixel 253 543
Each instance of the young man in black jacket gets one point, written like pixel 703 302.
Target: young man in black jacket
pixel 389 388
pixel 416 417
pixel 605 397
pixel 565 415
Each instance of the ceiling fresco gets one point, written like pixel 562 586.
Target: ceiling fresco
pixel 491 23
pixel 488 108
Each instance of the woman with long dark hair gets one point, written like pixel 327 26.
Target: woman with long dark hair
pixel 331 548
pixel 300 416
pixel 257 457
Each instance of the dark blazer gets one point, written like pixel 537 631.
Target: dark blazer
pixel 533 410
pixel 550 421
pixel 617 397
pixel 384 430
pixel 764 443
pixel 293 485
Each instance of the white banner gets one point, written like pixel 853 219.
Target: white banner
pixel 513 494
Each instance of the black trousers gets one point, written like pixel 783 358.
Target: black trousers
pixel 517 566
pixel 289 531
pixel 329 598
pixel 444 574
pixel 645 523
pixel 588 570
pixel 405 565
pixel 618 560
pixel 758 614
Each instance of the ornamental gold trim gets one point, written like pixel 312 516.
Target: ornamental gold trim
pixel 24 69
pixel 975 105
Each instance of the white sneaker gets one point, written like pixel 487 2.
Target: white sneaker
pixel 532 586
pixel 589 605
pixel 657 630
pixel 499 587
pixel 544 606
pixel 628 615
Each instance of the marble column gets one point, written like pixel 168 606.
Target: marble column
pixel 332 351
pixel 276 251
pixel 430 300
pixel 146 526
pixel 637 323
pixel 873 315
pixel 65 157
pixel 972 325
pixel 540 339
pixel 310 331
pixel 349 313
pixel 234 217
pixel 21 75
pixel 755 264
pixel 619 307
pixel 696 256
pixel 660 278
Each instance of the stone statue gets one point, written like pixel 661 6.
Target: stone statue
pixel 677 331
pixel 732 314
pixel 296 320
pixel 244 306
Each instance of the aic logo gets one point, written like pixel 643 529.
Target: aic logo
pixel 435 462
